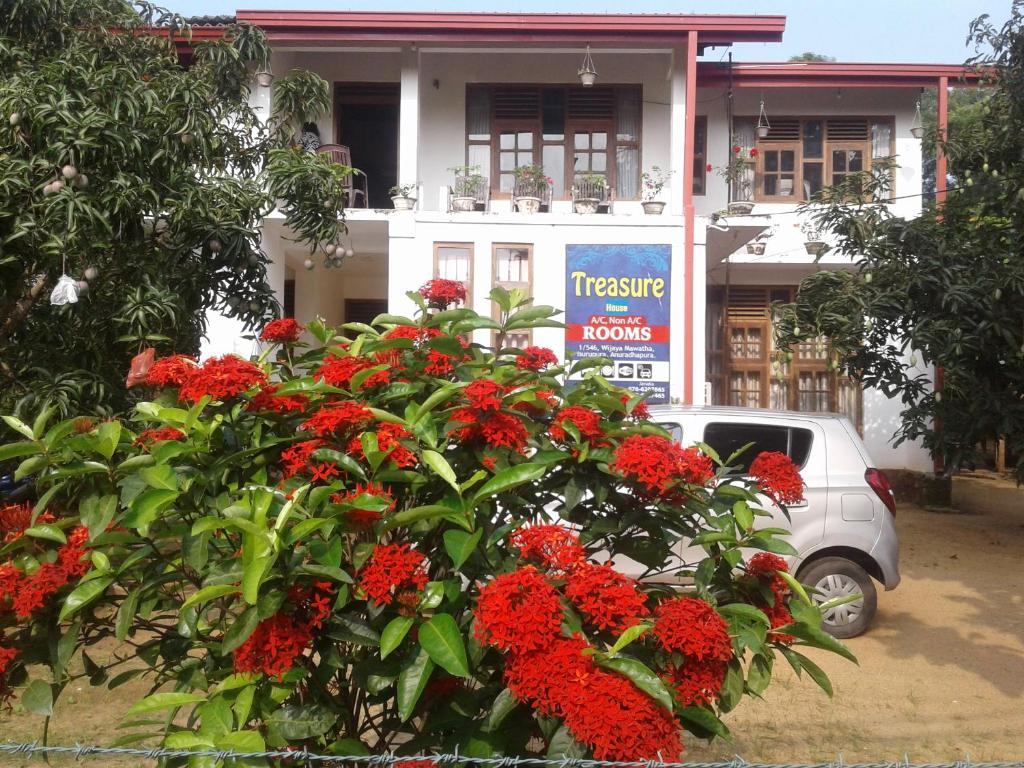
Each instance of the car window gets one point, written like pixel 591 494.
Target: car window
pixel 729 437
pixel 675 430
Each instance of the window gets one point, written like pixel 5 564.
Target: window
pixel 802 155
pixel 744 367
pixel 700 155
pixel 512 268
pixel 454 261
pixel 728 437
pixel 568 130
pixel 288 300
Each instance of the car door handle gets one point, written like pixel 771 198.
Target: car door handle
pixel 797 504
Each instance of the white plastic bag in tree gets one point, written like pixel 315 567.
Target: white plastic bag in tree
pixel 65 292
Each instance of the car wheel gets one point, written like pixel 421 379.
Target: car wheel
pixel 838 577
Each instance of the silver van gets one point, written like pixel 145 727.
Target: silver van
pixel 844 531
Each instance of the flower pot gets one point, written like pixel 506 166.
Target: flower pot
pixel 653 207
pixel 528 204
pixel 403 203
pixel 463 204
pixel 740 207
pixel 586 205
pixel 587 79
pixel 265 79
pixel 816 247
pixel 762 131
pixel 755 249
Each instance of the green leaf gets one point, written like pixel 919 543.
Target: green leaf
pixel 460 545
pixel 771 544
pixel 240 630
pixel 159 701
pixel 107 436
pixel 759 674
pixel 160 476
pixel 509 478
pixel 294 722
pixel 14 450
pixel 796 586
pixel 411 681
pixel 745 611
pixel 409 516
pixel 564 745
pixel 29 467
pixel 126 614
pixel 212 592
pixel 439 464
pixel 147 506
pixel 642 677
pixel 48 532
pixel 818 638
pixel 732 688
pixel 97 512
pixel 83 594
pixel 627 637
pixel 394 633
pixel 744 515
pixel 504 703
pixel 18 426
pixel 37 698
pixel 241 741
pixel 705 722
pixel 800 662
pixel 441 639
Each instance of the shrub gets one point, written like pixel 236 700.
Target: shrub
pixel 396 540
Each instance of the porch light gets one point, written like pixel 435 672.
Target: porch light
pixel 265 77
pixel 587 73
pixel 917 126
pixel 763 126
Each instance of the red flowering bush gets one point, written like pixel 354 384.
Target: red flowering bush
pixel 778 477
pixel 283 330
pixel 396 540
pixel 440 294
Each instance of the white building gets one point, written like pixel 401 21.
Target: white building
pixel 416 94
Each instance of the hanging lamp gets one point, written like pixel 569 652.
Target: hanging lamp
pixel 917 125
pixel 587 73
pixel 763 126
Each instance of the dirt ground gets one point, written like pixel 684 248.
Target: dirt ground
pixel 941 673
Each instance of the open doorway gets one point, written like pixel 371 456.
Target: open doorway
pixel 367 115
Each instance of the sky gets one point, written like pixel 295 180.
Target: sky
pixel 924 31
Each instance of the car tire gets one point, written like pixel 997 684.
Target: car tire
pixel 836 577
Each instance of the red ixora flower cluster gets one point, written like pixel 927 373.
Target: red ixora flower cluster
pixel 440 294
pixel 171 371
pixel 586 421
pixel 363 518
pixel 338 372
pixel 15 518
pixel 392 571
pixel 765 567
pixel 640 411
pixel 282 330
pixel 485 421
pixel 778 477
pixel 277 642
pixel 26 592
pixel 440 364
pixel 536 359
pixel 655 464
pixel 148 437
pixel 388 437
pixel 298 459
pixel 605 597
pixel 554 547
pixel 221 378
pixel 692 628
pixel 267 399
pixel 338 419
pixel 520 613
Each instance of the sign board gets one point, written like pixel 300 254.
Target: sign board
pixel 617 300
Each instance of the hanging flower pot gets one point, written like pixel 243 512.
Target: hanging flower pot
pixel 816 247
pixel 265 78
pixel 755 249
pixel 762 131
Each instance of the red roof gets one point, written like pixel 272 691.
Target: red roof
pixel 333 26
pixel 832 74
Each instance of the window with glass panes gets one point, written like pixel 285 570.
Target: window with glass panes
pixel 745 368
pixel 454 261
pixel 800 155
pixel 568 130
pixel 512 268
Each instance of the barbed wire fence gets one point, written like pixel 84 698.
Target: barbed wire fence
pixel 448 760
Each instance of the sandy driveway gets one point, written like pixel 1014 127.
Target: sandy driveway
pixel 941 674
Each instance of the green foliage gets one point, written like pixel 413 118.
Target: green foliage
pixel 948 285
pixel 115 157
pixel 198 542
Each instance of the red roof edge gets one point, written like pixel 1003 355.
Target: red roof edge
pixel 833 74
pixel 330 26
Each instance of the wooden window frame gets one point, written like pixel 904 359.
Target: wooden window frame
pixel 495 282
pixel 763 145
pixel 472 258
pixel 700 156
pixel 607 125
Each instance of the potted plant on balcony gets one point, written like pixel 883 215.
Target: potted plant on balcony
pixel 531 187
pixel 589 191
pixel 467 187
pixel 737 172
pixel 814 241
pixel 403 196
pixel 653 182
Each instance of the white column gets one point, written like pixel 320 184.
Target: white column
pixel 677 128
pixel 409 118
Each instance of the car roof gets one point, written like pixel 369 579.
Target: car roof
pixel 736 410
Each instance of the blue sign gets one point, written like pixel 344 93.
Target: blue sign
pixel 617 300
